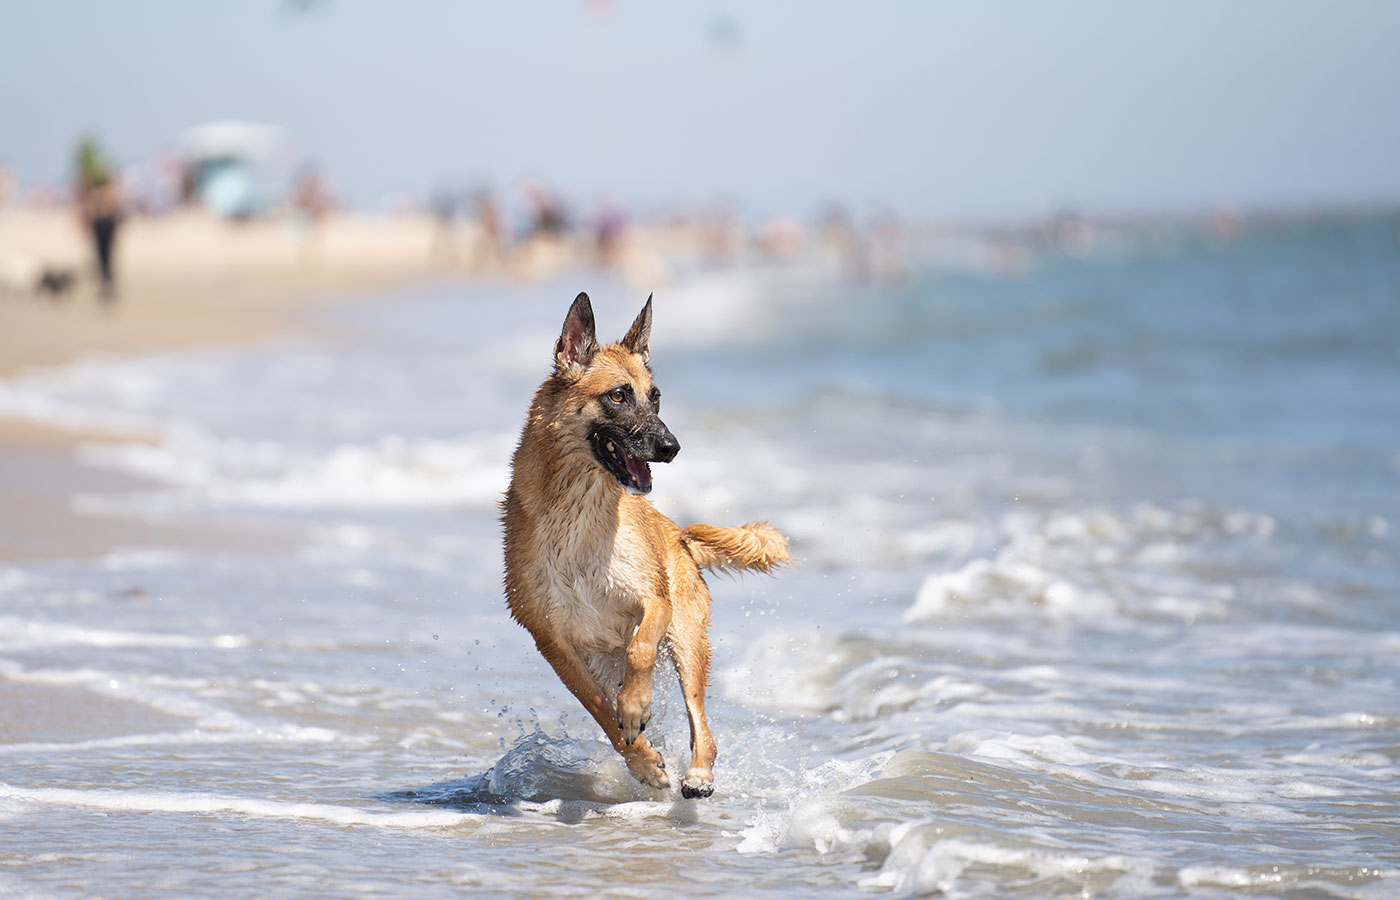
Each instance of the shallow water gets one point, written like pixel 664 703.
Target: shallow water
pixel 1096 596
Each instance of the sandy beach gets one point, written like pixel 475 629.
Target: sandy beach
pixel 183 280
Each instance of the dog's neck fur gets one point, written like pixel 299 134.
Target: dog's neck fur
pixel 581 491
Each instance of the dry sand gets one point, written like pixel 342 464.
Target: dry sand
pixel 183 280
pixel 189 279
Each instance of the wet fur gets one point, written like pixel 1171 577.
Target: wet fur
pixel 599 577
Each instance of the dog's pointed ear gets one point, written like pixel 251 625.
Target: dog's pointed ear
pixel 639 335
pixel 577 342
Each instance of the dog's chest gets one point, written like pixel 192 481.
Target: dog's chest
pixel 592 595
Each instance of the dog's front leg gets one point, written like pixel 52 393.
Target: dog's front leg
pixel 642 759
pixel 634 700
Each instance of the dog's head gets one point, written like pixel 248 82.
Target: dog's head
pixel 611 404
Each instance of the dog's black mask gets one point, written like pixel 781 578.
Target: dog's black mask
pixel 625 450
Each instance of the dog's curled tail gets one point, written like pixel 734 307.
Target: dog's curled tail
pixel 757 546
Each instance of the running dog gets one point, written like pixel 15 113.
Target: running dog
pixel 599 578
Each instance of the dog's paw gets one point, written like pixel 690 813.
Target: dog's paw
pixel 649 768
pixel 633 714
pixel 698 783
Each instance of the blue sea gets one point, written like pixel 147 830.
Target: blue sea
pixel 1097 593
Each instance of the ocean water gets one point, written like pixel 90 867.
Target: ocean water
pixel 1097 595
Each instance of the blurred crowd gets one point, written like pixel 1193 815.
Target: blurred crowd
pixel 229 181
pixel 248 177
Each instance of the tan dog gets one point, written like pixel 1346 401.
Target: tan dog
pixel 598 576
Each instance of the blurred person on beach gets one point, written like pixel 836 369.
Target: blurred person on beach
pixel 491 226
pixel 311 203
pixel 608 229
pixel 312 198
pixel 548 218
pixel 98 200
pixel 445 203
pixel 543 247
pixel 719 236
pixel 7 183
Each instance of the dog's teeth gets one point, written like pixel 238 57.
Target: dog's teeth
pixel 610 446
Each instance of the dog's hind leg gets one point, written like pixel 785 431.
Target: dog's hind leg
pixel 642 759
pixel 690 648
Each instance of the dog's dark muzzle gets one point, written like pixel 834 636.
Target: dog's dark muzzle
pixel 625 452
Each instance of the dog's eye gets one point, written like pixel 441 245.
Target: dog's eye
pixel 617 396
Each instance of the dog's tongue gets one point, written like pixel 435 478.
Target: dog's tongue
pixel 640 472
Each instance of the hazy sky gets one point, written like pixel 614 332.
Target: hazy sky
pixel 936 109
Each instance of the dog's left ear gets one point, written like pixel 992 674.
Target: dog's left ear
pixel 640 334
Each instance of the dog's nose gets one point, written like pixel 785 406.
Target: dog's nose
pixel 666 446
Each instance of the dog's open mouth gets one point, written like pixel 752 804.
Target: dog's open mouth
pixel 630 472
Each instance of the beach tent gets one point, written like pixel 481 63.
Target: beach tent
pixel 237 169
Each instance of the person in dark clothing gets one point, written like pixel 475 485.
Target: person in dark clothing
pixel 102 211
pixel 99 206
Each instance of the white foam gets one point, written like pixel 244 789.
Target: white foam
pixel 1375 765
pixel 170 696
pixel 540 767
pixel 1095 565
pixel 81 396
pixel 144 559
pixel 718 307
pixel 28 634
pixel 1352 881
pixel 816 816
pixel 391 473
pixel 207 454
pixel 13 580
pixel 1004 583
pixel 273 734
pixel 922 861
pixel 161 801
pixel 1019 748
pixel 1259 793
pixel 785 670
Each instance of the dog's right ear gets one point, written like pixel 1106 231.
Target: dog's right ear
pixel 577 342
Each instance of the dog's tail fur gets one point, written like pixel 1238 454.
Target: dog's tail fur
pixel 757 546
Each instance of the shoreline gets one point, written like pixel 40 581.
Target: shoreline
pixel 183 283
